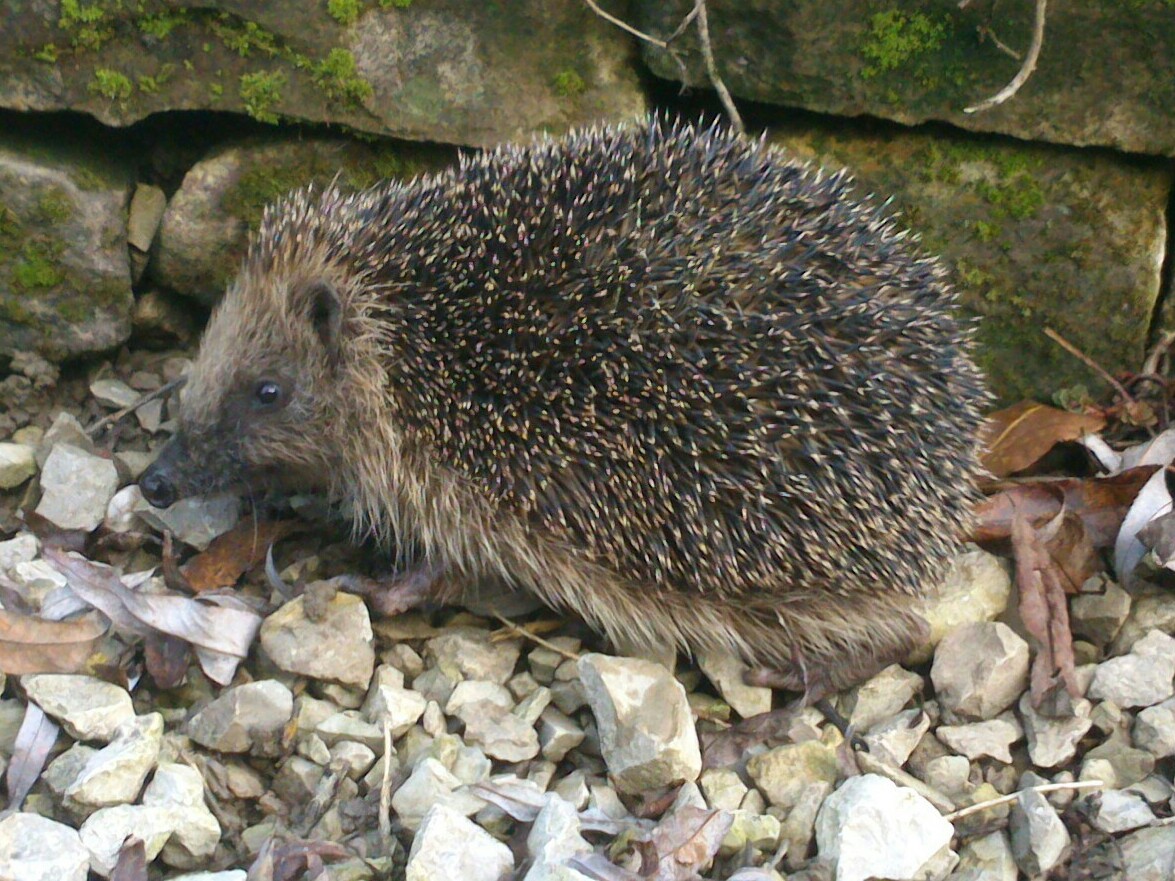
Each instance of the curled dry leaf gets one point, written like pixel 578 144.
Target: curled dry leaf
pixel 1153 500
pixel 223 627
pixel 34 741
pixel 1017 437
pixel 34 645
pixel 684 843
pixel 1101 502
pixel 1159 537
pixel 289 860
pixel 1045 613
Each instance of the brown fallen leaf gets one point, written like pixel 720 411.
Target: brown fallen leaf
pixel 1017 437
pixel 1069 547
pixel 34 742
pixel 1100 502
pixel 1045 613
pixel 35 645
pixel 234 553
pixel 289 860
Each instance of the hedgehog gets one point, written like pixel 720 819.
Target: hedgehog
pixel 662 376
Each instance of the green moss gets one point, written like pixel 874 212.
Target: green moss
pixel 394 4
pixel 87 23
pixel 53 206
pixel 345 12
pixel 160 26
pixel 986 230
pixel 244 37
pixel 35 269
pixel 215 91
pixel 260 92
pixel 568 84
pixel 338 77
pixel 111 84
pixel 47 53
pixel 894 38
pixel 1018 198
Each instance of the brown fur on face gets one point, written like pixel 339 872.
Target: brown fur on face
pixel 671 380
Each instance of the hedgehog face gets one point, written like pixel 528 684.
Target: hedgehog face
pixel 259 407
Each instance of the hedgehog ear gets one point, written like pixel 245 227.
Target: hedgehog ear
pixel 326 315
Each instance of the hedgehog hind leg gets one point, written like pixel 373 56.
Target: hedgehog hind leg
pixel 824 646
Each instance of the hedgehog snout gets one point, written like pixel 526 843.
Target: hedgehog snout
pixel 158 483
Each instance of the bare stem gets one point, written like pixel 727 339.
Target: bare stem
pixel 736 120
pixel 1026 68
pixel 1088 362
pixel 1006 799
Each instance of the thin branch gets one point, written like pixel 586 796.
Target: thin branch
pixel 987 33
pixel 1026 68
pixel 535 638
pixel 1006 799
pixel 1088 362
pixel 736 121
pixel 625 26
pixel 698 15
pixel 160 392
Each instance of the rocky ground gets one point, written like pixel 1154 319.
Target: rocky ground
pixel 214 715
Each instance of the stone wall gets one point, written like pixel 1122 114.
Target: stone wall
pixel 1050 210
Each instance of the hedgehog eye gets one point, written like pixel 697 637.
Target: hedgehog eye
pixel 268 393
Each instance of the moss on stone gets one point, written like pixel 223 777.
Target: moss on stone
pixel 345 12
pixel 36 268
pixel 161 25
pixel 260 92
pixel 244 37
pixel 394 4
pixel 111 84
pixel 568 84
pixel 338 77
pixel 894 38
pixel 53 206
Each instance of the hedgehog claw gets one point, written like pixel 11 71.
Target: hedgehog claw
pixel 399 592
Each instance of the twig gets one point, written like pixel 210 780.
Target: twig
pixel 538 640
pixel 1026 68
pixel 736 121
pixel 1005 799
pixel 625 26
pixel 988 34
pixel 114 417
pixel 385 786
pixel 698 14
pixel 1088 362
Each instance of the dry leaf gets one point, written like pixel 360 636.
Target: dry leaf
pixel 1045 613
pixel 34 741
pixel 1019 436
pixel 684 843
pixel 132 861
pixel 1153 500
pixel 34 645
pixel 290 860
pixel 1158 537
pixel 234 553
pixel 1100 502
pixel 221 625
pixel 1069 547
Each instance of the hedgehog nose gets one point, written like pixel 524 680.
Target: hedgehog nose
pixel 156 488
